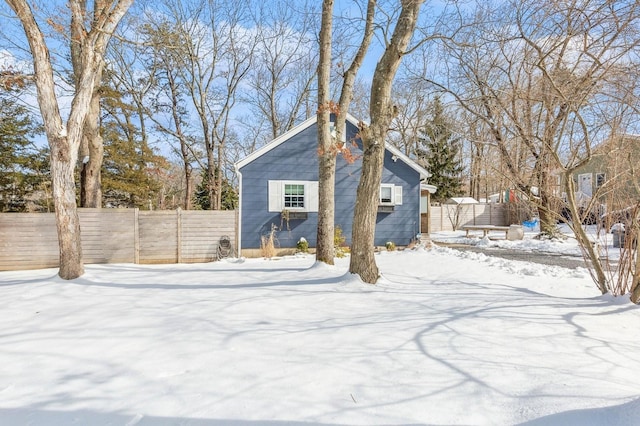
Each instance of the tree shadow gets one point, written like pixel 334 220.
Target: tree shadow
pixel 627 414
pixel 38 417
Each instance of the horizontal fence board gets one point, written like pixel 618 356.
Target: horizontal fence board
pixel 446 217
pixel 30 240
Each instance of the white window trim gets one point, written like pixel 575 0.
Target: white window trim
pixel 396 194
pixel 275 195
pixel 305 196
pixel 383 186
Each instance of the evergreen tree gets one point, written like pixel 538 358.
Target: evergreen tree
pixel 24 169
pixel 130 175
pixel 438 151
pixel 229 194
pixel 132 172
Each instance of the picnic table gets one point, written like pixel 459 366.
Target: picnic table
pixel 485 229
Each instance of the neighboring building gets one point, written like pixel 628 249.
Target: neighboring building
pixel 609 175
pixel 279 190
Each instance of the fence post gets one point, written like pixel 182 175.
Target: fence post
pixel 179 234
pixel 136 235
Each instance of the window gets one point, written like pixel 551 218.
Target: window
pixel 390 195
pixel 298 195
pixel 293 196
pixel 585 184
pixel 386 194
pixel 600 179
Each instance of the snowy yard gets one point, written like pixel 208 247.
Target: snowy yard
pixel 445 338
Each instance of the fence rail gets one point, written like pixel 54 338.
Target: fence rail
pixel 30 241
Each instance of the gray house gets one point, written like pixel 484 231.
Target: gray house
pixel 279 190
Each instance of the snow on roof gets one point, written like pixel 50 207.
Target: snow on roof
pixel 461 200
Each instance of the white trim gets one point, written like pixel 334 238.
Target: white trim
pixel 313 198
pixel 275 199
pixel 424 174
pixel 431 188
pixel 397 195
pixel 391 194
pixel 275 195
pixel 305 194
pixel 277 141
pixel 239 231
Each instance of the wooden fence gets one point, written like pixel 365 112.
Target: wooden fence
pixel 449 217
pixel 30 241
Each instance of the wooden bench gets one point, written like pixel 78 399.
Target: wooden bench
pixel 485 229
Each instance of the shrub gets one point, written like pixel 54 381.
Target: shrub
pixel 390 245
pixel 338 242
pixel 302 245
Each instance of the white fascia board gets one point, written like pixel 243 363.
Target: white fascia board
pixel 277 141
pixel 424 174
pixel 311 121
pixel 431 188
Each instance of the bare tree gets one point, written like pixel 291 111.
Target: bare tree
pixel 327 160
pixel 413 105
pixel 64 139
pixel 218 56
pixel 166 98
pixel 544 88
pixel 284 70
pixel 330 146
pixel 373 137
pixel 91 147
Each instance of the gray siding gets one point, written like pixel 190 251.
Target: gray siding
pixel 296 159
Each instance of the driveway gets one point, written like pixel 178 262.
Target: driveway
pixel 555 259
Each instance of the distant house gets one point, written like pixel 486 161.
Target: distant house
pixel 609 174
pixel 279 190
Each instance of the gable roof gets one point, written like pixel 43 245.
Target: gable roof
pixel 424 174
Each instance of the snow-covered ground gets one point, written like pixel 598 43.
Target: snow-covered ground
pixel 446 337
pixel 567 246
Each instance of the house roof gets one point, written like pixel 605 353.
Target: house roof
pixel 427 187
pixel 623 141
pixel 424 174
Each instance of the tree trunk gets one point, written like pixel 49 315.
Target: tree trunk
pixel 188 172
pixel 362 260
pixel 635 279
pixel 64 141
pixel 219 166
pixel 635 283
pixel 211 178
pixel 91 159
pixel 373 141
pixel 325 250
pixel 581 236
pixel 547 217
pixel 67 220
